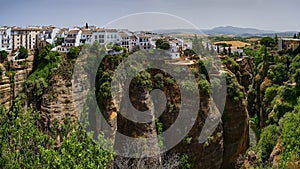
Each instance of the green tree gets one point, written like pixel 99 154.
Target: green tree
pixel 23 53
pixel 278 73
pixel 267 42
pixel 73 53
pixel 229 51
pixel 23 145
pixel 59 41
pixel 162 44
pixel 224 51
pixel 276 39
pixel 290 130
pixel 295 36
pixel 267 141
pixel 297 77
pixel 198 46
pixel 3 55
pixel 189 52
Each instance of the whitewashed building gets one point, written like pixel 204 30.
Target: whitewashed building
pixel 112 36
pixel 99 35
pixel 49 34
pixel 86 36
pixel 72 39
pixel 125 40
pixel 5 39
pixel 144 41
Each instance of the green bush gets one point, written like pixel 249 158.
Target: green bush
pixel 231 64
pixel 267 141
pixel 3 55
pixel 23 53
pixel 204 86
pixel 23 145
pixel 159 81
pixel 290 130
pixel 185 162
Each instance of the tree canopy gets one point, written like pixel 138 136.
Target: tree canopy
pixel 23 53
pixel 3 55
pixel 162 44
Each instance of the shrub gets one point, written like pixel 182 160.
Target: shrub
pixel 267 141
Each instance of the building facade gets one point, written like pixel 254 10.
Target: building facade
pixel 5 39
pixel 26 37
pixel 288 43
pixel 86 36
pixel 49 34
pixel 72 39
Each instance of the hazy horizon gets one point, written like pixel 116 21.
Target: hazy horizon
pixel 271 15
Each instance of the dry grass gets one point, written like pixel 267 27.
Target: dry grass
pixel 253 39
pixel 235 43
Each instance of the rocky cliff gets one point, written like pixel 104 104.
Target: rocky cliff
pixel 236 131
pixel 220 150
pixel 12 80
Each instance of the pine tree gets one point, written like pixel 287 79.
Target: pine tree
pixel 276 38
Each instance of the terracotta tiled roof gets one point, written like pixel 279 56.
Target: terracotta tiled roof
pixel 111 30
pixel 74 31
pixel 99 30
pixel 122 34
pixel 25 29
pixel 87 31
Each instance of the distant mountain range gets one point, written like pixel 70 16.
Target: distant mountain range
pixel 228 30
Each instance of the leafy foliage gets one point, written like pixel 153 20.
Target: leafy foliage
pixel 268 140
pixel 3 55
pixel 23 145
pixel 23 53
pixel 162 44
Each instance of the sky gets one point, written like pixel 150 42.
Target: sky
pixel 277 15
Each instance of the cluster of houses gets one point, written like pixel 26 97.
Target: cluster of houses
pixel 12 38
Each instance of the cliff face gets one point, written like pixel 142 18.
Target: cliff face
pixel 236 118
pixel 10 88
pixel 236 131
pixel 203 155
pixel 221 149
pixel 60 100
pixel 6 92
pixel 246 72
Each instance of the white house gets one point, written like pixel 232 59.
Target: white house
pixel 133 40
pixel 86 36
pixel 112 36
pixel 99 35
pixel 5 39
pixel 62 33
pixel 144 41
pixel 72 39
pixel 49 34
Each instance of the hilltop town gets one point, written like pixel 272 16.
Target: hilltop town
pixel 13 38
pixel 40 100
